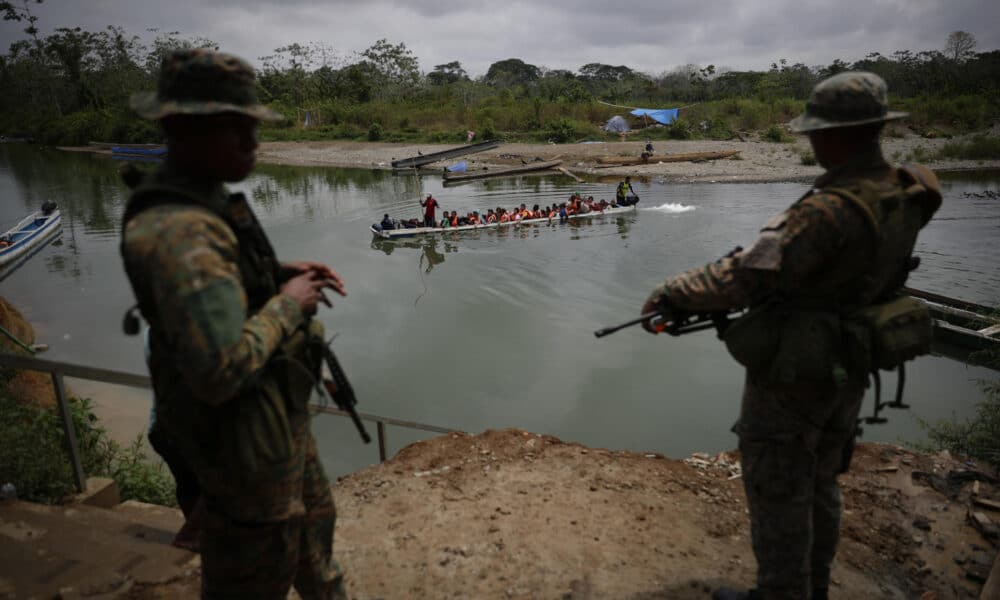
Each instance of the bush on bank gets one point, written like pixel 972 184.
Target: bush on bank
pixel 34 458
pixel 978 437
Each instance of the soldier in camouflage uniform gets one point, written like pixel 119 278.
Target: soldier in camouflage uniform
pixel 234 352
pixel 843 246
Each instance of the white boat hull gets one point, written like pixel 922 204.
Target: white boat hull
pixel 27 236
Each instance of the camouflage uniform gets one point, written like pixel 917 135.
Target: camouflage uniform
pixel 810 268
pixel 233 361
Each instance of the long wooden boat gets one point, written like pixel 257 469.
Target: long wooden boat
pixel 404 233
pixel 157 151
pixel 535 166
pixel 31 232
pixel 963 330
pixel 665 158
pixel 426 159
pixel 110 145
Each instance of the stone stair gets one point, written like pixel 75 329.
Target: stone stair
pixel 78 550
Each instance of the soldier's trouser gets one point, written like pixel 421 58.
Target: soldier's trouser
pixel 794 441
pixel 262 560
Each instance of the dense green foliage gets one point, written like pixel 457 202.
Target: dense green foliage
pixel 73 86
pixel 980 147
pixel 34 458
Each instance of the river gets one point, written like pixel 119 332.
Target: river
pixel 487 329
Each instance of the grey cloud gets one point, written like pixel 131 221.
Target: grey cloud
pixel 648 35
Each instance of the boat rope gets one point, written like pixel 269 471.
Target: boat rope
pixel 14 339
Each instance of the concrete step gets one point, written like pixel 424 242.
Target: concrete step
pixel 44 549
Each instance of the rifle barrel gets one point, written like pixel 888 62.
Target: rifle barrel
pixel 609 330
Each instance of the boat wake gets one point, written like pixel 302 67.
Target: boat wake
pixel 671 207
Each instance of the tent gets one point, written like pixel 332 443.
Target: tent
pixel 617 124
pixel 664 116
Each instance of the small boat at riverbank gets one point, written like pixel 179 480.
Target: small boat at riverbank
pixel 963 330
pixel 18 243
pixel 403 233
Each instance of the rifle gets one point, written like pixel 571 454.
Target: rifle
pixel 680 322
pixel 341 392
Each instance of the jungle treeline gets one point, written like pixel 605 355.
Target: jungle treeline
pixel 72 86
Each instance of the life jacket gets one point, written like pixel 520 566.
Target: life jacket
pixel 454 221
pixel 505 218
pixel 622 191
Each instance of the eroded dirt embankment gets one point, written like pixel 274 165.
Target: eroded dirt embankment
pixel 512 514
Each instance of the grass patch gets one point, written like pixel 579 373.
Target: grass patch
pixel 777 134
pixel 807 158
pixel 33 456
pixel 980 147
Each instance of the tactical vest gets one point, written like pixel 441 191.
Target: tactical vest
pixel 241 445
pixel 258 264
pixel 839 325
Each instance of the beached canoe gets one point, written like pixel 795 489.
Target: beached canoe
pixel 528 168
pixel 665 158
pixel 402 233
pixel 34 231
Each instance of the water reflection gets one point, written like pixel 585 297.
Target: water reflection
pixel 428 245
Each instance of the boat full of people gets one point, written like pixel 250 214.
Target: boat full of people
pixel 575 208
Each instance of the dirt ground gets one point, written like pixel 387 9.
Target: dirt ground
pixel 512 514
pixel 758 161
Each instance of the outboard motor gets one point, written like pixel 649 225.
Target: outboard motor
pixel 49 207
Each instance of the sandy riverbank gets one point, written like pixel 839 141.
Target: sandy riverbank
pixel 758 161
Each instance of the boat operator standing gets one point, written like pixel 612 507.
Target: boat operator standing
pixel 430 204
pixel 812 280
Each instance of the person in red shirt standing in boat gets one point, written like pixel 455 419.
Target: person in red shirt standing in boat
pixel 430 204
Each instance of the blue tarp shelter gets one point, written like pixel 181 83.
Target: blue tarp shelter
pixel 664 116
pixel 617 124
pixel 458 167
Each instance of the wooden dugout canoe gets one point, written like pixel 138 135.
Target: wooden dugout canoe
pixel 658 158
pixel 535 166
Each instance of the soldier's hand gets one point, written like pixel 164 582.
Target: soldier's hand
pixel 655 304
pixel 319 270
pixel 307 290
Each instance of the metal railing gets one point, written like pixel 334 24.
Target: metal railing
pixel 59 370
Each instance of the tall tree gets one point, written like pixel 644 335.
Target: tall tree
pixel 961 46
pixel 394 66
pixel 447 73
pixel 512 71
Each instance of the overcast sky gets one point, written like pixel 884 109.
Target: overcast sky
pixel 652 36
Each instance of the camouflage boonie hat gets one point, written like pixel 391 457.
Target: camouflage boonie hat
pixel 199 81
pixel 845 100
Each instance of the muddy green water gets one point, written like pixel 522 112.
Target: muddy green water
pixel 484 329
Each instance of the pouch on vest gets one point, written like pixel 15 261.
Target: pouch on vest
pixel 901 329
pixel 753 338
